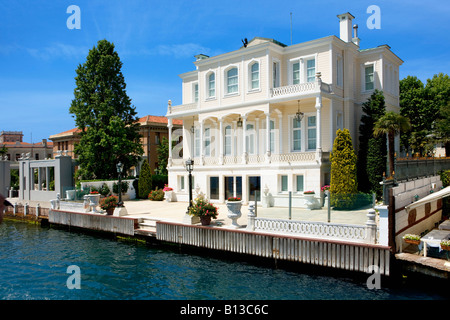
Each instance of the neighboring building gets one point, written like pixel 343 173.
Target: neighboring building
pixel 13 141
pixel 264 117
pixel 152 129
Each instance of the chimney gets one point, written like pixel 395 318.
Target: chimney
pixel 355 38
pixel 345 26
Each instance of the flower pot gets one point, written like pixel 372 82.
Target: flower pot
pixel 205 220
pixel 168 195
pixel 311 202
pixel 110 211
pixel 444 247
pixel 234 212
pixel 411 241
pixel 93 201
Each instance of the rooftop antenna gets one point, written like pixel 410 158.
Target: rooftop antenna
pixel 291 28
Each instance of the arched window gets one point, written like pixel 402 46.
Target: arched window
pixel 254 75
pixel 232 80
pixel 212 85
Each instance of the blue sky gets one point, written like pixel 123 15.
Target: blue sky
pixel 157 41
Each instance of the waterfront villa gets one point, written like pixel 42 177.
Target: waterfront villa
pixel 264 117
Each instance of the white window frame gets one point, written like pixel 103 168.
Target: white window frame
pixel 197 141
pixel 250 134
pixel 227 93
pixel 195 92
pixel 313 77
pixel 250 75
pixel 296 183
pixel 339 71
pixel 303 68
pixel 291 134
pixel 276 73
pixel 363 76
pixel 208 85
pixel 228 137
pixel 307 132
pixel 281 183
pixel 207 139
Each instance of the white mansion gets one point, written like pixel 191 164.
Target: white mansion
pixel 264 117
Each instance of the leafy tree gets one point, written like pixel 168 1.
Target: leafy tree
pixel 145 180
pixel 105 116
pixel 163 155
pixel 391 124
pixel 438 95
pixel 343 185
pixel 413 106
pixel 443 127
pixel 3 150
pixel 372 150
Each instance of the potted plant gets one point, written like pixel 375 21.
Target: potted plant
pixel 310 201
pixel 445 245
pixel 234 205
pixel 411 238
pixel 203 209
pixel 109 204
pixel 168 193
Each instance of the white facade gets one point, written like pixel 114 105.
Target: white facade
pixel 239 115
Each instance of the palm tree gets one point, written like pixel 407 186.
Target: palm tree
pixel 391 124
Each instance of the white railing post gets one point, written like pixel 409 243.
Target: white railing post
pixel 251 217
pixel 371 227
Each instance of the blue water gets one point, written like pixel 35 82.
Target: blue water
pixel 34 262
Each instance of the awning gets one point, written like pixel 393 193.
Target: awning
pixel 431 197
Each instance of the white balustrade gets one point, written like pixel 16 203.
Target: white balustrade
pixel 314 229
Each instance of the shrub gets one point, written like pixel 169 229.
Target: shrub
pixel 145 180
pixel 104 190
pixel 123 187
pixel 343 184
pixel 156 195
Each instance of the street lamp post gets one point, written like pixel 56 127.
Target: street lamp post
pixel 119 167
pixel 189 168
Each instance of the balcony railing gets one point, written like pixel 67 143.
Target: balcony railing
pixel 297 157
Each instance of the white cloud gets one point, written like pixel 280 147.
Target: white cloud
pixel 58 50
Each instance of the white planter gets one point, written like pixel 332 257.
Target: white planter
pixel 311 202
pixel 168 196
pixel 234 212
pixel 93 202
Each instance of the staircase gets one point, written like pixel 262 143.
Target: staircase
pixel 146 226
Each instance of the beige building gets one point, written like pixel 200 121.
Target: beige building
pixel 16 147
pixel 152 129
pixel 264 117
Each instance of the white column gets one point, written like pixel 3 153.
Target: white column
pixel 202 146
pixel 244 139
pixel 221 144
pixel 280 134
pixel 318 123
pixel 169 126
pixel 267 133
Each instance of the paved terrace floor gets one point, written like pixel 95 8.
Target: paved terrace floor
pixel 175 212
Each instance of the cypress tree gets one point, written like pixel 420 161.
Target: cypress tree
pixel 344 185
pixel 105 116
pixel 372 151
pixel 145 181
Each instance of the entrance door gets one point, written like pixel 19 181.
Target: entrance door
pixel 254 184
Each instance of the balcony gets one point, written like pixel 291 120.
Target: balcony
pixel 279 94
pixel 257 159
